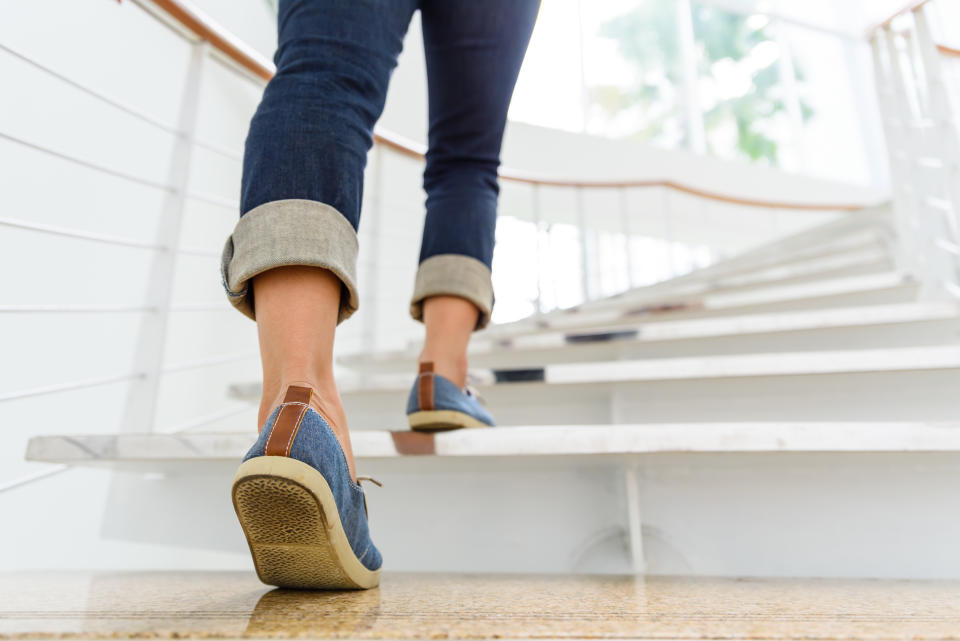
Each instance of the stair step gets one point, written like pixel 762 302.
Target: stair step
pixel 898 325
pixel 556 440
pixel 809 266
pixel 697 367
pixel 746 266
pixel 901 384
pixel 872 261
pixel 871 289
pixel 833 240
pixel 794 363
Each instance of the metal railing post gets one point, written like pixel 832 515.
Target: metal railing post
pixel 375 223
pixel 584 252
pixel 538 260
pixel 141 403
pixel 909 213
pixel 945 136
pixel 668 233
pixel 631 481
pixel 625 227
pixel 893 130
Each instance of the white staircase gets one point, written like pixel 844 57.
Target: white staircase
pixel 757 396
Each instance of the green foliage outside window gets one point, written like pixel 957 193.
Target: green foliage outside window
pixel 647 38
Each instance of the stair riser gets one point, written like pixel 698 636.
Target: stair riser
pixel 743 515
pixel 841 515
pixel 926 333
pixel 864 396
pixel 931 332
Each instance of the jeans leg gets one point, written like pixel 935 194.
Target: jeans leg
pixel 307 147
pixel 473 52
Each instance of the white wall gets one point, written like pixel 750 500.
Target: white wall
pixel 64 174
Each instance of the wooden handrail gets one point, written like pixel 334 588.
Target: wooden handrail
pixel 948 51
pixel 219 38
pixel 910 6
pixel 249 59
pixel 913 5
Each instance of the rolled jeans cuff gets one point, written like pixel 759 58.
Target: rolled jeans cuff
pixel 454 275
pixel 290 232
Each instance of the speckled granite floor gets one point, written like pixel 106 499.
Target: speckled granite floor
pixel 233 605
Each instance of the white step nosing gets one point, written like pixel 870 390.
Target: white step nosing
pixel 767 364
pixel 795 321
pixel 537 441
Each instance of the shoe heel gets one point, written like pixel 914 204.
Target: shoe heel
pixel 440 420
pixel 290 519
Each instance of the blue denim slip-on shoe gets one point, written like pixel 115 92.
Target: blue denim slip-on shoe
pixel 436 403
pixel 305 519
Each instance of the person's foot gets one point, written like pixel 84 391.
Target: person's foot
pixel 437 403
pixel 304 516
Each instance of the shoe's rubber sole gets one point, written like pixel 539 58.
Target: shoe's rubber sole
pixel 438 420
pixel 290 518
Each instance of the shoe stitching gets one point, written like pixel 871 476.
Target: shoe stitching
pixel 366 550
pixel 272 430
pixel 295 430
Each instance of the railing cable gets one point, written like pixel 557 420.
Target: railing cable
pixel 32 478
pixel 76 233
pixel 86 163
pixel 117 104
pixel 207 362
pixel 106 380
pixel 75 309
pixel 69 387
pixel 209 418
pixel 56 230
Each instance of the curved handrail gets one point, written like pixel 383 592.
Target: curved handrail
pixel 910 6
pixel 913 5
pixel 227 44
pixel 948 51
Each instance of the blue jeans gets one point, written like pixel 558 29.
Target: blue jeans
pixel 308 141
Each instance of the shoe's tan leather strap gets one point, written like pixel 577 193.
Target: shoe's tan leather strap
pixel 285 426
pixel 425 386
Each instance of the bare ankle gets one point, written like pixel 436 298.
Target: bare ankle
pixel 325 394
pixel 451 367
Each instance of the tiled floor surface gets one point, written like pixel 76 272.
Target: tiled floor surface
pixel 232 605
